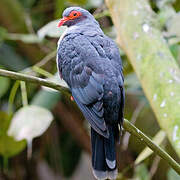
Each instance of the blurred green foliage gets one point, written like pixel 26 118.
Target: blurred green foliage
pixel 69 154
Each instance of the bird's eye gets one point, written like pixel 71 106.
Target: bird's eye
pixel 75 14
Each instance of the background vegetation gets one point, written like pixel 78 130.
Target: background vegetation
pixel 28 37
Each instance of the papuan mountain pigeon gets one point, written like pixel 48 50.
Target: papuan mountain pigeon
pixel 90 63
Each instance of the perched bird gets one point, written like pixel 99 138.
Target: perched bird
pixel 90 63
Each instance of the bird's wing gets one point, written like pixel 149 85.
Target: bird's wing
pixel 86 82
pixel 114 55
pixel 89 95
pixel 89 100
pixel 107 47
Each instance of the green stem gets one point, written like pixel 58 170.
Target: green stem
pixel 127 125
pixel 24 93
pixel 42 71
pixel 12 96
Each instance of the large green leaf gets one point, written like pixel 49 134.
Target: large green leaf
pixel 29 122
pixel 8 146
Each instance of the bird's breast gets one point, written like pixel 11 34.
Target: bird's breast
pixel 67 31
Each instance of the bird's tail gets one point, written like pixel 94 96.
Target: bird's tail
pixel 103 155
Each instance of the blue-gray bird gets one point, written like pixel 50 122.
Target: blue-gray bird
pixel 90 63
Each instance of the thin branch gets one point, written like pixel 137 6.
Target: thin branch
pixel 127 125
pixel 158 150
pixel 32 79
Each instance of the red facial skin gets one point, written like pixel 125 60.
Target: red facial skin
pixel 73 15
pixel 72 99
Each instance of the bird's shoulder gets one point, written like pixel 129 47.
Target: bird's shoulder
pixel 103 43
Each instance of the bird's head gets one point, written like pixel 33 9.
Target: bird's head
pixel 74 15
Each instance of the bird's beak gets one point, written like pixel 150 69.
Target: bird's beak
pixel 62 21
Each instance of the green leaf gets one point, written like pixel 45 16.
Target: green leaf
pixel 29 122
pixel 51 29
pixel 8 146
pixel 158 139
pixel 172 175
pixel 4 122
